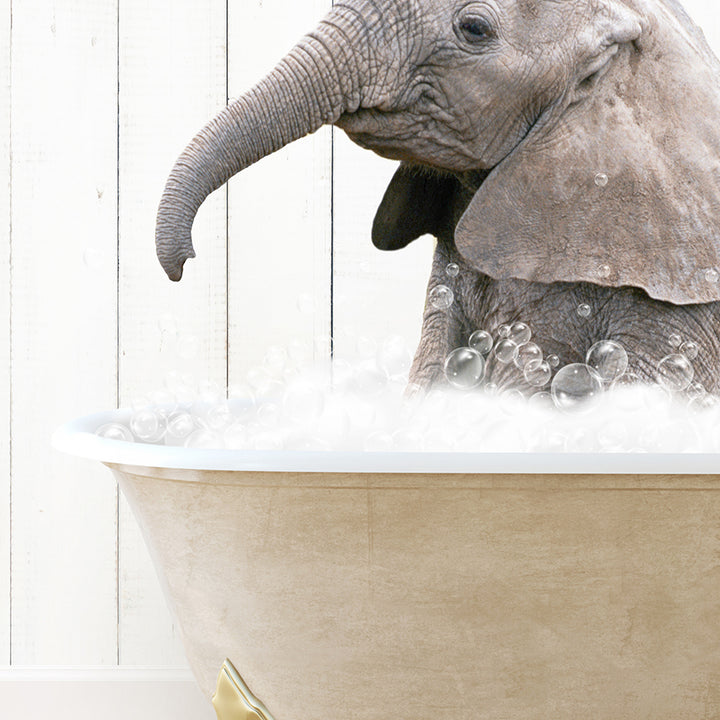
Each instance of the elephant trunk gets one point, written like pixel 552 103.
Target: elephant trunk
pixel 312 86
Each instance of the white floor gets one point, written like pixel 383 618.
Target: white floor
pixel 107 693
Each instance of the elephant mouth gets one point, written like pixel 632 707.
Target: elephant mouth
pixel 407 138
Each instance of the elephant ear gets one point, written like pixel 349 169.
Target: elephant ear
pixel 416 202
pixel 623 189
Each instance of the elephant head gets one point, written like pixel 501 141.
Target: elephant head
pixel 587 130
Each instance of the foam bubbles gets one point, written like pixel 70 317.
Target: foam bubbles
pixel 115 431
pixel 366 404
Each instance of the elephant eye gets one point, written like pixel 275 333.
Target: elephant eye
pixel 474 29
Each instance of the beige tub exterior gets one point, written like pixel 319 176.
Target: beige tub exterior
pixel 366 596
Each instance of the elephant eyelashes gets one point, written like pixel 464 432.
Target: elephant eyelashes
pixel 475 30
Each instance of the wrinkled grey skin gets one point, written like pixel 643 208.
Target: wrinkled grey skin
pixel 502 113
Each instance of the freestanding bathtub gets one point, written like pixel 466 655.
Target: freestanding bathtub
pixel 367 586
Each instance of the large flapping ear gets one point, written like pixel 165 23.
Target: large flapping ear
pixel 416 202
pixel 624 187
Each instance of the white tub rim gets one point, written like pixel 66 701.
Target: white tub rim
pixel 78 438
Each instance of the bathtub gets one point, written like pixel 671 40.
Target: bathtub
pixel 338 586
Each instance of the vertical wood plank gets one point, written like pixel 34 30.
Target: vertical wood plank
pixel 377 294
pixel 279 209
pixel 172 81
pixel 64 109
pixel 5 332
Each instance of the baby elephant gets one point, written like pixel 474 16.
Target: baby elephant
pixel 565 153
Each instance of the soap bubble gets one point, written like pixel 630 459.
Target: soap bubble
pixel 608 359
pixel 164 402
pixel 601 179
pixel 203 439
pixel 182 386
pixel 675 373
pixel 464 368
pixel 584 310
pixel 519 333
pixel 482 341
pixel 262 383
pixel 703 402
pixel 303 402
pixel 553 361
pixel 537 373
pixel 394 358
pixel 452 270
pixel 689 349
pixel 542 399
pixel 146 425
pixel 369 380
pixel 506 351
pixel 711 275
pixel 604 271
pixel 696 390
pixel 218 417
pixel 441 297
pixel 503 331
pixel 675 340
pixel 179 426
pixel 574 386
pixel 528 352
pixel 115 431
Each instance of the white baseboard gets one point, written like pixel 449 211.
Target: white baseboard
pixel 112 693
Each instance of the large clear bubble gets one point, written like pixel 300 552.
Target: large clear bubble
pixel 441 297
pixel 609 359
pixel 527 353
pixel 575 386
pixel 674 373
pixel 482 341
pixel 520 333
pixel 464 368
pixel 506 351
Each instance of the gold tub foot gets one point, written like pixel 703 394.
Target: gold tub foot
pixel 233 700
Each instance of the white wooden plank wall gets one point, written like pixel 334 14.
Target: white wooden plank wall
pixel 279 219
pixel 104 95
pixel 5 331
pixel 64 304
pixel 172 81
